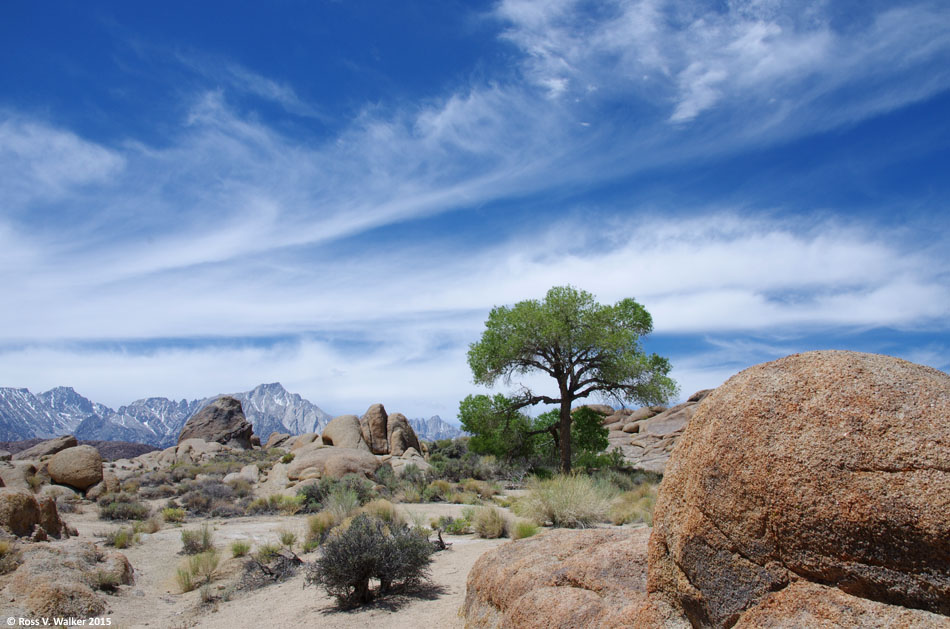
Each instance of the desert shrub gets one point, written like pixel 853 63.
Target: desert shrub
pixel 156 477
pixel 287 458
pixel 159 491
pixel 277 503
pixel 318 528
pixel 104 581
pixel 287 539
pixel 173 514
pixel 569 501
pixel 369 549
pixel 183 471
pixel 359 485
pixel 67 504
pixel 453 526
pixel 121 506
pixel 266 553
pixel 240 548
pixel 463 498
pixel 489 523
pixel 386 477
pixel 240 487
pixel 479 487
pixel 152 525
pixel 634 506
pixel 122 537
pixel 197 541
pixel 523 529
pixel 10 556
pixel 412 493
pixel 412 475
pixel 131 486
pixel 342 502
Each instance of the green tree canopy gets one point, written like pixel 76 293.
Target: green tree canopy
pixel 586 347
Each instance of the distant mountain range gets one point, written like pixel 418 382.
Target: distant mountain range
pixel 157 421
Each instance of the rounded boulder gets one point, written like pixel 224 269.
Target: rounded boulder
pixel 79 467
pixel 827 466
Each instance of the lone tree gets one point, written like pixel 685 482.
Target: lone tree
pixel 587 347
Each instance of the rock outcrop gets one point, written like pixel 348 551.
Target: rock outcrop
pixel 79 467
pixel 24 515
pixel 222 421
pixel 560 578
pixel 400 435
pixel 373 428
pixel 344 432
pixel 46 448
pixel 325 461
pixel 54 581
pixel 827 466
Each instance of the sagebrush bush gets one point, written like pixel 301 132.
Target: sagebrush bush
pixel 121 506
pixel 489 523
pixel 197 541
pixel 369 549
pixel 571 501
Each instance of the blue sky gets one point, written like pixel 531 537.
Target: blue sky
pixel 199 197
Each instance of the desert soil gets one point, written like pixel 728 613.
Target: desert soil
pixel 154 600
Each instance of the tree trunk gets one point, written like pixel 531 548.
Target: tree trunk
pixel 565 430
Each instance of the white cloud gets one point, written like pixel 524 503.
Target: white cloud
pixel 40 162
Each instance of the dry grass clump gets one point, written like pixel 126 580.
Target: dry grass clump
pixel 198 541
pixel 240 548
pixel 634 506
pixel 383 510
pixel 489 523
pixel 570 501
pixel 319 526
pixel 10 556
pixel 173 515
pixel 277 503
pixel 197 570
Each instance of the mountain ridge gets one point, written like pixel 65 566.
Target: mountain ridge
pixel 157 421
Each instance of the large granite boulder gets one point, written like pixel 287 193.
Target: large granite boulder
pixel 221 421
pixel 373 427
pixel 79 467
pixel 828 467
pixel 344 432
pixel 277 440
pixel 560 578
pixel 647 436
pixel 46 448
pixel 24 515
pixel 333 462
pixel 400 435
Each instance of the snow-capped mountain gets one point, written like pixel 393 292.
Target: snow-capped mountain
pixel 434 428
pixel 157 421
pixel 25 416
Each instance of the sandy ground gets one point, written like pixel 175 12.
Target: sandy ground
pixel 153 601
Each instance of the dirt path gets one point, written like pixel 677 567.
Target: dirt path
pixel 154 602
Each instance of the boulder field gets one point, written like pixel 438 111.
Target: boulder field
pixel 811 491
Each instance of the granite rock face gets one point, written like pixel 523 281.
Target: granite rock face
pixel 222 421
pixel 830 466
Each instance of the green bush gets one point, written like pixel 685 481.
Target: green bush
pixel 453 526
pixel 122 537
pixel 277 503
pixel 523 529
pixel 240 548
pixel 570 501
pixel 197 541
pixel 173 514
pixel 121 506
pixel 287 458
pixel 369 549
